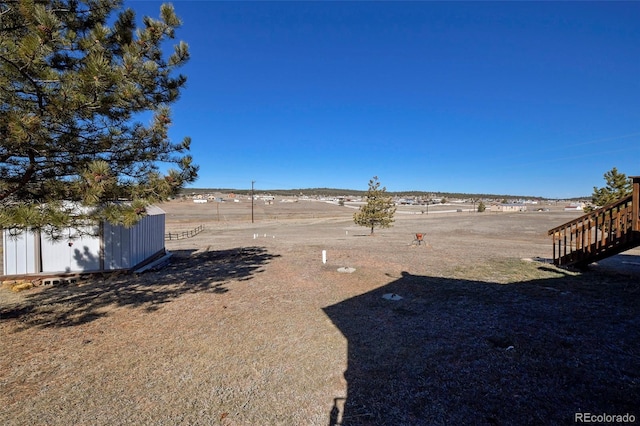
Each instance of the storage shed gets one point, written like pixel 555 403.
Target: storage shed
pixel 105 247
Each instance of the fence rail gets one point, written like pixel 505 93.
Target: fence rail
pixel 179 235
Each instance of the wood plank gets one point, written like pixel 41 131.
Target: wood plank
pixel 635 200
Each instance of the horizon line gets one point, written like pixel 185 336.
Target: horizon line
pixel 335 190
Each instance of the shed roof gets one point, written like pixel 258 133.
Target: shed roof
pixel 153 210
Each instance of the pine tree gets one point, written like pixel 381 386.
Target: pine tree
pixel 618 186
pixel 72 89
pixel 379 210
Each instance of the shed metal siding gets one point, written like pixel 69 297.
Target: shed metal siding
pixel 115 247
pixel 147 238
pixel 127 247
pixel 19 252
pixel 72 252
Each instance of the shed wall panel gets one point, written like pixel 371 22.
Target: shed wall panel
pixel 124 247
pixel 116 247
pixel 19 255
pixel 147 238
pixel 71 253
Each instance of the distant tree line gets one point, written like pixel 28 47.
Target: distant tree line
pixel 336 192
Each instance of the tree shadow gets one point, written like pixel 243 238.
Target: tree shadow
pixel 85 259
pixel 187 272
pixel 467 352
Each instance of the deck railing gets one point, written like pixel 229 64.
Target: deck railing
pixel 607 231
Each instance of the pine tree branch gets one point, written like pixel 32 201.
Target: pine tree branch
pixel 28 77
pixel 26 177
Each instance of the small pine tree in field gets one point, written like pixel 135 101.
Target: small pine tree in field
pixel 379 210
pixel 481 207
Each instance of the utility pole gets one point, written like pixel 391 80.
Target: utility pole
pixel 252 182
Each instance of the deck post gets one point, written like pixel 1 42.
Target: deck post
pixel 635 203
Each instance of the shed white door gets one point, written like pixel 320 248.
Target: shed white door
pixel 71 253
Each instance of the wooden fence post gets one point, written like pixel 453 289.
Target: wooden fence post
pixel 184 234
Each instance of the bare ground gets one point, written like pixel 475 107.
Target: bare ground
pixel 247 326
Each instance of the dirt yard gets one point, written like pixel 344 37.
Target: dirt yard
pixel 247 326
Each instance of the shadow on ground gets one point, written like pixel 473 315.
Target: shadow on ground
pixel 188 272
pixel 624 264
pixel 466 352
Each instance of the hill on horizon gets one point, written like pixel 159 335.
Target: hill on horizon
pixel 332 192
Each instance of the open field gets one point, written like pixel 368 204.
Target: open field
pixel 247 326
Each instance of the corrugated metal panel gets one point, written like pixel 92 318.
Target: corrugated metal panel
pixel 117 247
pixel 19 252
pixel 126 247
pixel 112 247
pixel 147 238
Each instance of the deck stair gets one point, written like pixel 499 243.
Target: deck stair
pixel 604 232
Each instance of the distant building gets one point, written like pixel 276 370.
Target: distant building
pixel 406 201
pixel 574 207
pixel 509 207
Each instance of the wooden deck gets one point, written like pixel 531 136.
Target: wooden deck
pixel 607 231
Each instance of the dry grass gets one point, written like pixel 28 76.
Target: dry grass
pixel 238 330
pixel 21 286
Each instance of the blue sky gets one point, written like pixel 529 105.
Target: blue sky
pixel 522 98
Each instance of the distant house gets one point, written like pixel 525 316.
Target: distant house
pixel 509 207
pixel 574 207
pixel 103 247
pixel 406 201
